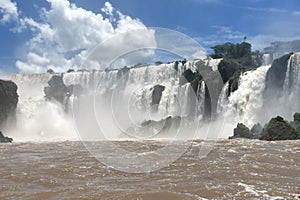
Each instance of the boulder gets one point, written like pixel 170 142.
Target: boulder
pixel 4 139
pixel 278 129
pixel 152 128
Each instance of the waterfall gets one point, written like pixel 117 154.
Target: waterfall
pixel 292 77
pixel 223 98
pixel 245 104
pixel 37 119
pixel 201 100
pixel 131 90
pixel 291 90
pixel 127 93
pixel 287 80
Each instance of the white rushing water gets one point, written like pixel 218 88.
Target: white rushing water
pixel 223 98
pixel 126 97
pixel 245 104
pixel 288 103
pixel 41 120
pixel 292 78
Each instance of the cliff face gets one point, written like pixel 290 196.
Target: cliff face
pixel 8 101
pixel 276 76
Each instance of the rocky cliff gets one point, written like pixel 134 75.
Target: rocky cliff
pixel 8 103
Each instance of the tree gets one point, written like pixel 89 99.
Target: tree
pixel 278 129
pixel 230 50
pixel 158 63
pixel 242 131
pixel 50 71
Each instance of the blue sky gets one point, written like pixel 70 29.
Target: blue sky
pixel 25 42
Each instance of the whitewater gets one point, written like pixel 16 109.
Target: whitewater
pixel 124 99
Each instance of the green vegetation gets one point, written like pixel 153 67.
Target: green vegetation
pixel 296 124
pixel 50 71
pixel 241 131
pixel 232 51
pixel 236 58
pixel 278 129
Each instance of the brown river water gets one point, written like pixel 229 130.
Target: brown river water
pixel 234 169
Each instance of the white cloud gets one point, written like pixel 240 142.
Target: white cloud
pixel 297 13
pixel 261 41
pixel 108 9
pixel 9 11
pixel 228 33
pixel 126 48
pixel 207 1
pixel 258 42
pixel 274 10
pixel 68 28
pixel 221 35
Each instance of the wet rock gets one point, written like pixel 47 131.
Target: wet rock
pixel 157 91
pixel 152 128
pixel 8 102
pixel 70 70
pixel 57 89
pixel 275 77
pixel 4 139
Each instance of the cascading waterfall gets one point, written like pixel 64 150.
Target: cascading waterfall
pixel 37 119
pixel 287 79
pixel 41 120
pixel 223 98
pixel 201 100
pixel 132 90
pixel 245 104
pixel 292 78
pixel 290 97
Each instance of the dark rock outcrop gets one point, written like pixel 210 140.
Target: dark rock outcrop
pixel 8 102
pixel 4 139
pixel 228 68
pixel 278 129
pixel 123 72
pixel 57 89
pixel 157 91
pixel 152 128
pixel 275 77
pixel 213 87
